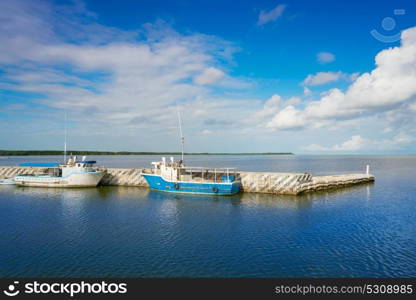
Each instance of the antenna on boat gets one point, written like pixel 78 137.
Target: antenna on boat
pixel 180 131
pixel 66 133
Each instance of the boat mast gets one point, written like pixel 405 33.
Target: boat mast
pixel 66 133
pixel 180 131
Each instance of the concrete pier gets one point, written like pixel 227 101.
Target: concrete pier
pixel 254 182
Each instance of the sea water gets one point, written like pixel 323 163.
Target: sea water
pixel 367 230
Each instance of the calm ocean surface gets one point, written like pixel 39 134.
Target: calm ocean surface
pixel 366 231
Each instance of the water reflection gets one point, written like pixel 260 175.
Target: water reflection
pixel 168 212
pixel 53 193
pixel 75 197
pixel 368 189
pixel 279 201
pixel 301 201
pixel 132 232
pixel 80 194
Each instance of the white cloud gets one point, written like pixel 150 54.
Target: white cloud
pixel 315 148
pixel 354 76
pixel 209 76
pixel 115 85
pixel 122 85
pixel 270 107
pixel 358 143
pixel 389 86
pixel 271 15
pixel 306 91
pixel 412 106
pixel 322 78
pixel 355 143
pixel 273 101
pixel 293 101
pixel 273 105
pixel 325 57
pixel 288 118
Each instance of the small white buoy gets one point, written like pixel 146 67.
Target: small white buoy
pixel 367 171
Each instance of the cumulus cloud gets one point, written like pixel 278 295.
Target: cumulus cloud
pixel 357 143
pixel 273 105
pixel 354 76
pixel 325 57
pixel 116 83
pixel 293 101
pixel 271 15
pixel 315 148
pixel 270 107
pixel 391 85
pixel 109 80
pixel 209 76
pixel 123 85
pixel 287 118
pixel 322 78
pixel 306 91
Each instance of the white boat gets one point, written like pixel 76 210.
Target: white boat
pixel 72 174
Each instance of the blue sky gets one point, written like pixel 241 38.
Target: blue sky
pixel 248 76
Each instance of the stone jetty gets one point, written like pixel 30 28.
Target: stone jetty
pixel 253 182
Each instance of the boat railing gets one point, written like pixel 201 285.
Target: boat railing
pixel 208 174
pixel 178 171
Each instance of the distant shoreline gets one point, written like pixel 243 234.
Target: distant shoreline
pixel 59 152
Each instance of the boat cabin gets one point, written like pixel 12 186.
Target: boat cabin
pixel 74 166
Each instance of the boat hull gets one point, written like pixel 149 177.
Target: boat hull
pixel 89 179
pixel 156 182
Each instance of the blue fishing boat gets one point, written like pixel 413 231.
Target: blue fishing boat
pixel 174 177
